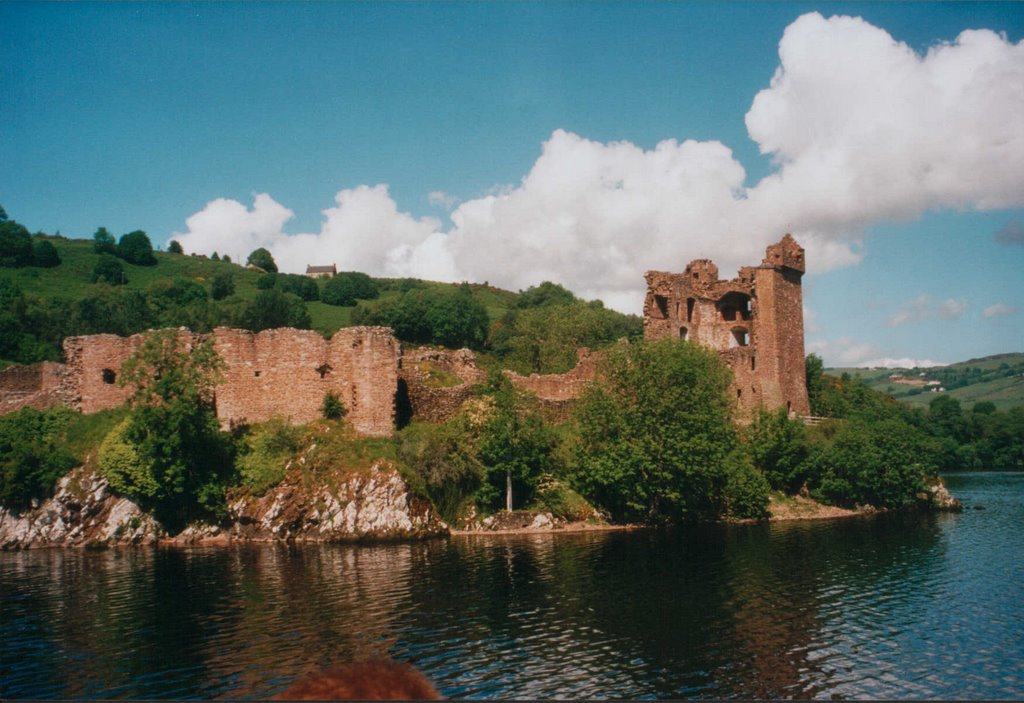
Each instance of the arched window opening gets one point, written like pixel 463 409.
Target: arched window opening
pixel 109 376
pixel 690 302
pixel 682 333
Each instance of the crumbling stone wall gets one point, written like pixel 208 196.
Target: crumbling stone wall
pixel 275 373
pixel 31 386
pixel 755 321
pixel 93 365
pixel 560 387
pixel 428 400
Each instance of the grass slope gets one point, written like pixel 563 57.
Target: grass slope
pixel 72 280
pixel 998 379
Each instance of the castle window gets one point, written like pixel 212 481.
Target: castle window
pixel 740 337
pixel 323 370
pixel 733 303
pixel 696 276
pixel 753 362
pixel 661 303
pixel 690 302
pixel 109 376
pixel 256 374
pixel 682 333
pixel 739 393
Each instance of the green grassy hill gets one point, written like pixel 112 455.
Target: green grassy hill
pixel 538 330
pixel 998 379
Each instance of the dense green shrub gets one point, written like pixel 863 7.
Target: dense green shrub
pixel 271 309
pixel 223 285
pixel 444 457
pixel 449 317
pixel 264 452
pixel 302 286
pixel 171 456
pixel 547 293
pixel 656 433
pixel 135 248
pixel 32 455
pixel 333 408
pixel 347 287
pixel 266 281
pixel 44 254
pixel 779 448
pixel 108 270
pixel 103 242
pixel 15 245
pixel 173 247
pixel 261 258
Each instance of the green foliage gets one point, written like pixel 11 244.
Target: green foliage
pixel 266 281
pixel 179 461
pixel 347 287
pixel 333 408
pixel 111 310
pixel 103 242
pixel 430 316
pixel 223 285
pixel 264 452
pixel 746 488
pixel 555 496
pixel 656 433
pixel 214 256
pixel 108 270
pixel 444 457
pixel 547 293
pixel 514 444
pixel 272 308
pixel 262 258
pixel 173 247
pixel 32 455
pixel 135 248
pixel 871 463
pixel 126 471
pixel 45 255
pixel 302 286
pixel 544 338
pixel 15 245
pixel 779 448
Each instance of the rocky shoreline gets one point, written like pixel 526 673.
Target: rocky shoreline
pixel 372 505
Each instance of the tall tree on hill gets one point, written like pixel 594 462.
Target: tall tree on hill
pixel 263 259
pixel 135 248
pixel 103 242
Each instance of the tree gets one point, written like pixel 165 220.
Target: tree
pixel 272 308
pixel 32 457
pixel 449 317
pixel 223 285
pixel 108 270
pixel 779 448
pixel 547 293
pixel 173 247
pixel 170 456
pixel 3 214
pixel 103 242
pixel 214 256
pixel 15 245
pixel 261 258
pixel 45 254
pixel 302 286
pixel 656 434
pixel 515 447
pixel 347 287
pixel 135 248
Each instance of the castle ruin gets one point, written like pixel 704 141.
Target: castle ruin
pixel 754 321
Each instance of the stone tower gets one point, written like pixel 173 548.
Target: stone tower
pixel 755 321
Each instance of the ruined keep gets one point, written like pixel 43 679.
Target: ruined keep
pixel 755 322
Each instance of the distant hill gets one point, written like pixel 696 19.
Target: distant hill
pixel 998 378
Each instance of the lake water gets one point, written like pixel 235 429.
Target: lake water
pixel 890 606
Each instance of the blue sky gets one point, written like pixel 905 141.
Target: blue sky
pixel 520 141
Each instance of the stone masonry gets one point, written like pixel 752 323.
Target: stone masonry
pixel 34 386
pixel 281 372
pixel 755 322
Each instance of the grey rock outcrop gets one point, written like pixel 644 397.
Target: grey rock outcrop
pixel 82 512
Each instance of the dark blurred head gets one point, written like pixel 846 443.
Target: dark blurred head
pixel 377 679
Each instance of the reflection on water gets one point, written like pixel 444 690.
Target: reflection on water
pixel 901 605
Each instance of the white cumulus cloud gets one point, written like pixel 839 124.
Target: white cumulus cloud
pixel 860 128
pixel 922 308
pixel 999 310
